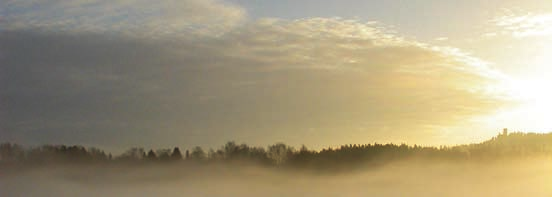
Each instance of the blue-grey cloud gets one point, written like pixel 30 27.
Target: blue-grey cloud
pixel 316 81
pixel 136 17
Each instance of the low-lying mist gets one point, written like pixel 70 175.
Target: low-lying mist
pixel 523 177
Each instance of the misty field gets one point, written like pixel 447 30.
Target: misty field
pixel 408 178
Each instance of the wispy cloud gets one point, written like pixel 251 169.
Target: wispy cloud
pixel 525 25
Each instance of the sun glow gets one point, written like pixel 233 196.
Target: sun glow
pixel 529 88
pixel 533 105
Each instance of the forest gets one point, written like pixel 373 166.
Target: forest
pixel 504 146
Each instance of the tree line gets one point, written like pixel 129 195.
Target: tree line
pixel 513 145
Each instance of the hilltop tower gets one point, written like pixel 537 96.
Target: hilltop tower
pixel 505 132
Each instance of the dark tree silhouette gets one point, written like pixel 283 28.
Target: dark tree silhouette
pixel 164 154
pixel 176 154
pixel 151 155
pixel 198 154
pixel 279 153
pixel 133 154
pixel 187 154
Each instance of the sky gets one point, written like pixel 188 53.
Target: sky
pixel 121 73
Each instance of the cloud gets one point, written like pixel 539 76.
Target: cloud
pixel 141 17
pixel 336 44
pixel 318 81
pixel 525 25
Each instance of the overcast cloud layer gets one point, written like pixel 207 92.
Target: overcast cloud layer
pixel 195 72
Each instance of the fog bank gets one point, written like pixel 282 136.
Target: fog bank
pixel 519 178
